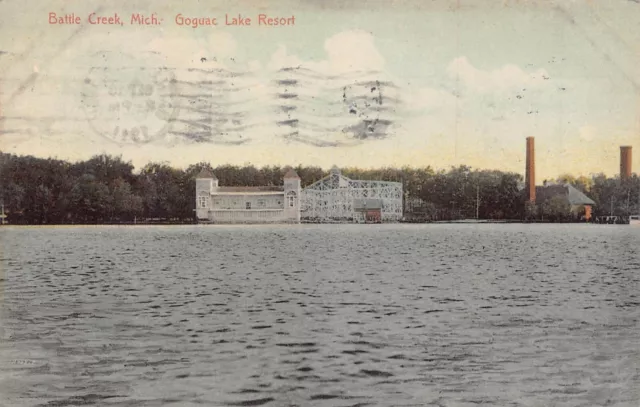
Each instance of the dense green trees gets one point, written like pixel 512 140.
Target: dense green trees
pixel 106 189
pixel 463 192
pixel 556 209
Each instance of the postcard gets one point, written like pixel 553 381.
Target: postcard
pixel 319 203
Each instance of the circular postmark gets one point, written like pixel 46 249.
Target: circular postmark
pixel 128 102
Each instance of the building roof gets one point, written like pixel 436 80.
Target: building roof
pixel 576 197
pixel 205 173
pixel 291 174
pixel 573 195
pixel 250 189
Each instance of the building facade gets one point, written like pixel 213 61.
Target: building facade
pixel 233 205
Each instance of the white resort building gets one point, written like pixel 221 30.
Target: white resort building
pixel 334 198
pixel 219 204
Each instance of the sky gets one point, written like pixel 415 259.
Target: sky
pixel 350 83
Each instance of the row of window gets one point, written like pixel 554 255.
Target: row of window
pixel 203 202
pixel 224 215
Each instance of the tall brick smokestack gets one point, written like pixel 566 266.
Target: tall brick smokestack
pixel 625 162
pixel 530 174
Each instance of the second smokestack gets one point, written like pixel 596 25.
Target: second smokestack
pixel 625 162
pixel 530 174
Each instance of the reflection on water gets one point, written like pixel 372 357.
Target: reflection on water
pixel 330 315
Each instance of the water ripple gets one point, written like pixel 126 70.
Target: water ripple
pixel 320 315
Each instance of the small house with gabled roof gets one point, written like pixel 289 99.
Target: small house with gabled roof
pixel 257 204
pixel 577 200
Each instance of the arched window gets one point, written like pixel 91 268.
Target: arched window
pixel 291 199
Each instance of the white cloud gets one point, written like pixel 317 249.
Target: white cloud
pixel 486 118
pixel 486 105
pixel 348 51
pixel 507 77
pixel 353 50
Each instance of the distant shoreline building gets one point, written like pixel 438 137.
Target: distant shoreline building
pixel 580 204
pixel 333 199
pixel 232 205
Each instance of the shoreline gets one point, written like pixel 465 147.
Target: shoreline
pixel 440 222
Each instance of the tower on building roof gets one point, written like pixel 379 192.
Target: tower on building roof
pixel 291 173
pixel 206 174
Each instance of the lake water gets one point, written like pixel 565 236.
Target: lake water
pixel 321 315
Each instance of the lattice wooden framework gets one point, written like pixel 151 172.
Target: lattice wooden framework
pixel 331 199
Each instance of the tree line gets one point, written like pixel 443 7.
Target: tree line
pixel 108 189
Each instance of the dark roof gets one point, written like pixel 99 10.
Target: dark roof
pixel 363 204
pixel 291 174
pixel 573 195
pixel 576 197
pixel 205 173
pixel 250 189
